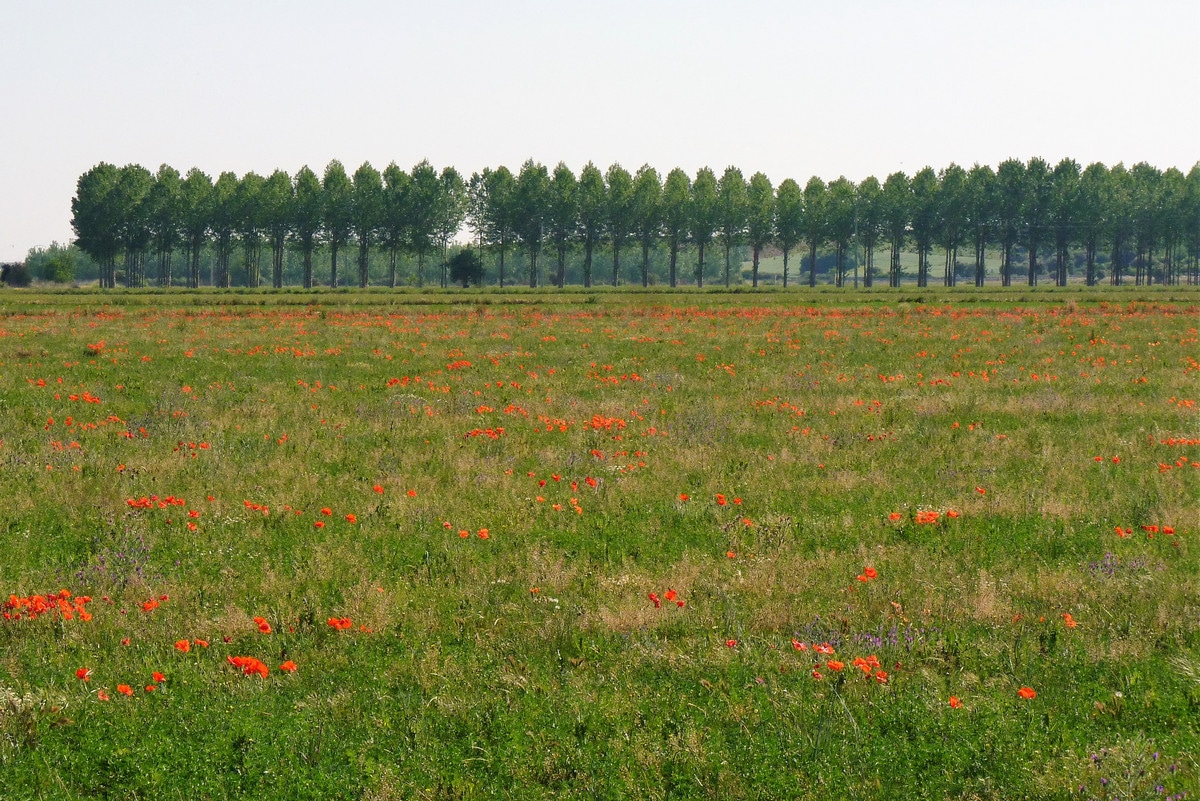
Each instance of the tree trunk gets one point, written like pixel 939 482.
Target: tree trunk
pixel 588 247
pixel 616 262
pixel 533 270
pixel 727 265
pixel 812 263
pixel 754 267
pixel 645 264
pixel 700 269
pixel 674 259
pixel 785 267
pixel 562 265
pixel 364 246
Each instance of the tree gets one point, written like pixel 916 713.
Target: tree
pixel 897 202
pixel 250 223
pixel 1089 215
pixel 1146 196
pixel 1118 222
pixel 466 268
pixel 56 264
pixel 592 213
pixel 789 220
pixel 760 219
pixel 395 223
pixel 562 216
pixel 732 211
pixel 164 207
pixel 815 223
pixel 979 206
pixel 129 199
pixel 618 197
pixel 952 215
pixel 529 207
pixel 868 205
pixel 1191 223
pixel 196 199
pixel 840 223
pixel 646 213
pixel 222 220
pixel 703 215
pixel 1063 214
pixel 923 222
pixel 1036 210
pixel 500 190
pixel 450 211
pixel 337 217
pixel 1009 198
pixel 277 199
pixel 93 218
pixel 366 205
pixel 674 205
pixel 308 207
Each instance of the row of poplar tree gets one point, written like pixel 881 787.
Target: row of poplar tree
pixel 1143 221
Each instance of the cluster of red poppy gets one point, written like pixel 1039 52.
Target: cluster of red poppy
pixel 869 665
pixel 340 623
pixel 463 533
pixel 60 603
pixel 263 625
pixel 490 433
pixel 257 507
pixel 249 665
pixel 867 574
pixel 154 502
pixel 670 596
pixel 151 604
pixel 1150 530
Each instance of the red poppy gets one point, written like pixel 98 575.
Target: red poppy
pixel 484 534
pixel 683 496
pixel 894 516
pixel 183 646
pixel 731 643
pixel 412 493
pixel 319 524
pixel 85 674
pixel 351 518
pixel 721 499
pixel 669 595
pixel 202 643
pixel 834 664
pixel 101 695
pixel 955 703
pixel 1027 693
pixel 655 600
pixel 378 489
pixel 158 677
pixel 327 511
pixel 870 573
pixel 125 689
pixel 288 667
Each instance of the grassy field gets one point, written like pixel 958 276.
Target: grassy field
pixel 603 545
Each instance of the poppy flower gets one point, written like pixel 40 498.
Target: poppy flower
pixel 202 643
pixel 955 703
pixel 158 677
pixel 816 674
pixel 981 490
pixel 721 500
pixel 125 641
pixel 655 600
pixel 263 625
pixel 151 688
pixel 870 573
pixel 1027 693
pixel 894 516
pixel 125 689
pixel 319 524
pixel 669 595
pixel 881 676
pixel 731 643
pixel 326 511
pixel 378 488
pixel 84 674
pixel 484 534
pixel 351 518
pixel 101 695
pixel 731 554
pixel 412 493
pixel 834 664
pixel 1069 621
pixel 183 646
pixel 288 667
pixel 799 646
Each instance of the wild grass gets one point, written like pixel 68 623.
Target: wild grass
pixel 534 663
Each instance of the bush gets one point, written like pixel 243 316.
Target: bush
pixel 15 274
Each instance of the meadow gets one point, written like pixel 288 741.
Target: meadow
pixel 605 545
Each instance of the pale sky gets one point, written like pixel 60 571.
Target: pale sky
pixel 794 89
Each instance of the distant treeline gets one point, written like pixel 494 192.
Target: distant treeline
pixel 1139 223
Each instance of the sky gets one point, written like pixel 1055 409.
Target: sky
pixel 791 88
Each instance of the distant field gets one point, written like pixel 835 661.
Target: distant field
pixel 381 545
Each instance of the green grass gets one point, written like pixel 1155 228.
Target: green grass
pixel 533 663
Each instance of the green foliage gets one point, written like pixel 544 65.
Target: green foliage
pixel 466 268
